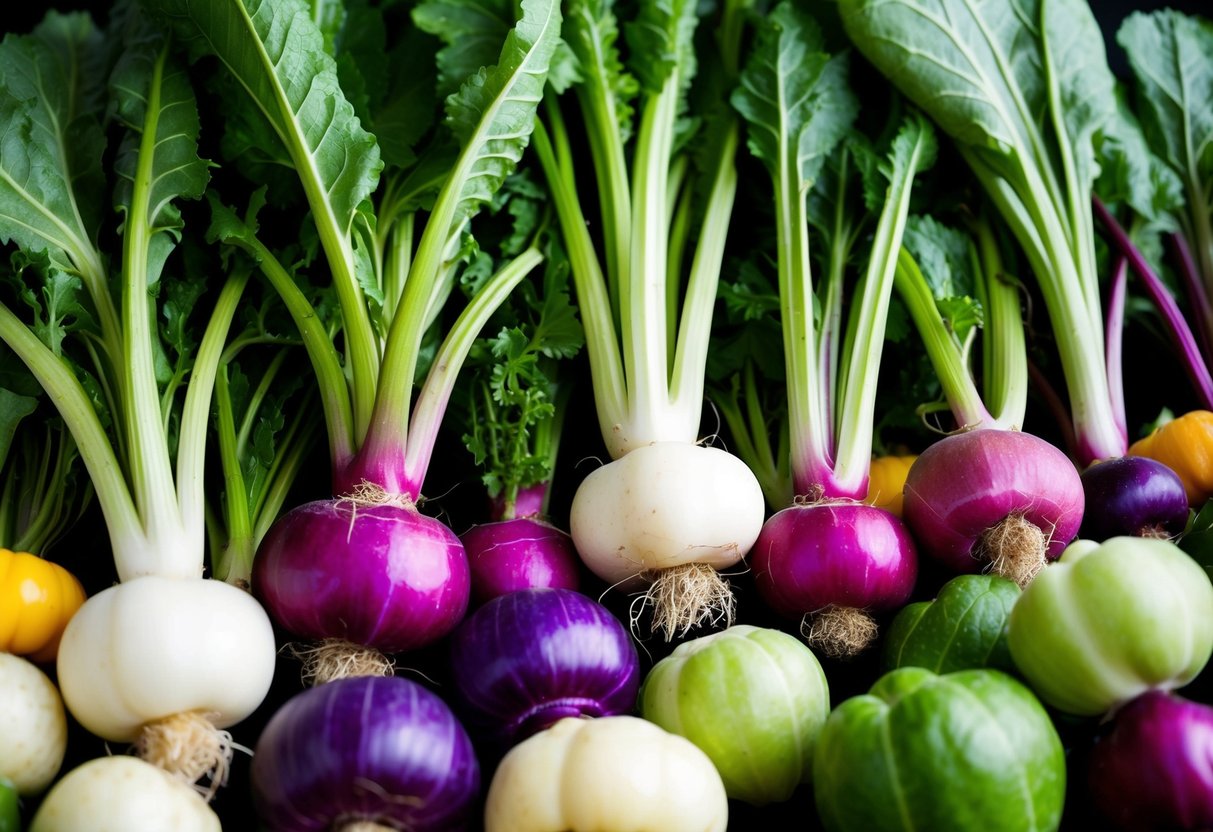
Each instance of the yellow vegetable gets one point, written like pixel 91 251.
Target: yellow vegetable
pixel 886 479
pixel 1185 445
pixel 37 598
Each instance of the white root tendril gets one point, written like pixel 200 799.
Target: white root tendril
pixel 839 632
pixel 684 597
pixel 189 747
pixel 1015 547
pixel 367 494
pixel 335 658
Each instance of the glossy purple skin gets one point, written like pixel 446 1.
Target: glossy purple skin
pixel 365 748
pixel 524 553
pixel 1154 768
pixel 525 660
pixel 382 576
pixel 846 554
pixel 1132 495
pixel 968 482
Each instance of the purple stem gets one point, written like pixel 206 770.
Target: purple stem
pixel 1181 333
pixel 1198 299
pixel 528 503
pixel 1114 342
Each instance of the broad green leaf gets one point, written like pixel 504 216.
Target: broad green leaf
pixel 150 91
pixel 472 31
pixel 1087 87
pixel 1131 173
pixel 493 113
pixel 276 53
pixel 360 48
pixel 330 18
pixel 51 142
pixel 409 106
pixel 794 96
pixel 942 252
pixel 1169 57
pixel 661 42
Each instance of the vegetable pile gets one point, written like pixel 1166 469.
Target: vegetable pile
pixel 606 415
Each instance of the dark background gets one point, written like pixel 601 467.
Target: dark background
pixel 88 555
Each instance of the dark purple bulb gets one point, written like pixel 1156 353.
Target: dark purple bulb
pixel 366 748
pixel 527 659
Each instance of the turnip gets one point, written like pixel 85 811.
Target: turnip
pixel 365 753
pixel 828 558
pixel 587 774
pixel 390 288
pixel 1030 138
pixel 1152 764
pixel 1040 143
pixel 33 726
pixel 516 399
pixel 135 673
pixel 1132 495
pixel 988 496
pixel 532 657
pixel 521 553
pixel 122 794
pixel 646 323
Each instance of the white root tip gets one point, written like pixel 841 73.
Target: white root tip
pixel 839 632
pixel 367 494
pixel 334 658
pixel 1015 548
pixel 189 747
pixel 687 596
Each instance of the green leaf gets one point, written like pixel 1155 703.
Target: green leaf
pixel 148 88
pixel 794 96
pixel 51 145
pixel 276 53
pixel 1131 173
pixel 978 71
pixel 751 296
pixel 56 298
pixel 409 106
pixel 181 296
pixel 330 17
pixel 1087 86
pixel 493 113
pixel 661 42
pixel 13 408
pixel 592 33
pixel 1169 56
pixel 360 49
pixel 472 31
pixel 524 202
pixel 942 253
pixel 559 333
